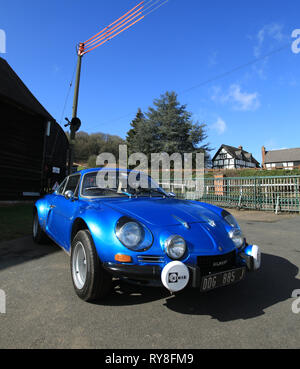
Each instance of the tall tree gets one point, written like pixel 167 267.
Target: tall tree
pixel 140 136
pixel 168 127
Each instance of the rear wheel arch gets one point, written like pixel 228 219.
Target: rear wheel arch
pixel 34 210
pixel 38 234
pixel 40 207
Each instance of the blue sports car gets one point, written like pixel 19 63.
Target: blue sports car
pixel 141 234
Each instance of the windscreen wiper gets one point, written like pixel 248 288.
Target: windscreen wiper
pixel 150 190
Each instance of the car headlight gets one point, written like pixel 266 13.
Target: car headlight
pixel 175 247
pixel 133 235
pixel 230 219
pixel 235 234
pixel 237 237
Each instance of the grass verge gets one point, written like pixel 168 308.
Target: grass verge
pixel 15 221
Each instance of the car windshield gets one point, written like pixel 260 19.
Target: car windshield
pixel 104 183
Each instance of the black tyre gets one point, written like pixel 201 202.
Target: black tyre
pixel 90 280
pixel 38 235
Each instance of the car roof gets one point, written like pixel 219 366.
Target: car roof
pixel 84 171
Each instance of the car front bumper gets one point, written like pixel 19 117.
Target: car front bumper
pixel 153 273
pixel 149 273
pixel 134 272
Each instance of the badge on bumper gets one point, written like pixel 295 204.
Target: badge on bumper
pixel 175 276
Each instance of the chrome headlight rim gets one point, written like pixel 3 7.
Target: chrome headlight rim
pixel 237 237
pixel 169 242
pixel 230 219
pixel 146 239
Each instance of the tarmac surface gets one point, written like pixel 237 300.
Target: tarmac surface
pixel 42 310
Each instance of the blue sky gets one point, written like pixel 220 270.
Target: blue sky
pixel 181 45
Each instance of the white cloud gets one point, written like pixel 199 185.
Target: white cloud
pixel 267 39
pixel 243 100
pixel 219 126
pixel 272 31
pixel 240 100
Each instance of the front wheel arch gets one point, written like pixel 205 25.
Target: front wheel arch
pixel 78 225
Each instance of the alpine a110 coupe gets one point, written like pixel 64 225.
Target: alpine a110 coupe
pixel 114 227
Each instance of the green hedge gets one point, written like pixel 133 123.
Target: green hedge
pixel 255 173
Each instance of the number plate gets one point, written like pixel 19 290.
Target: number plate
pixel 222 279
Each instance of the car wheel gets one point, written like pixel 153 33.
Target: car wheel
pixel 38 235
pixel 90 280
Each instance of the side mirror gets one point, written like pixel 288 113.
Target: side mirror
pixel 171 194
pixel 69 195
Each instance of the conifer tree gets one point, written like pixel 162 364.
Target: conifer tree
pixel 167 127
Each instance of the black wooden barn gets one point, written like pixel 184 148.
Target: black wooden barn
pixel 33 146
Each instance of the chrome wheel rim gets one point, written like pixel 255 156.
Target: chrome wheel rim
pixel 79 265
pixel 35 225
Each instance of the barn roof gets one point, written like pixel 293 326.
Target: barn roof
pixel 13 89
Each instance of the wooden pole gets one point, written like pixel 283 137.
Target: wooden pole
pixel 75 106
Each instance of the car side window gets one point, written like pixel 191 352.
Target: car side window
pixel 72 183
pixel 77 189
pixel 61 187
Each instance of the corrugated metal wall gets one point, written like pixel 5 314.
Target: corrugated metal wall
pixel 57 145
pixel 27 157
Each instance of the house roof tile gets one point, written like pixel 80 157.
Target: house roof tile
pixel 282 156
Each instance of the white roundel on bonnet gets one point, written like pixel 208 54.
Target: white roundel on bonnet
pixel 175 276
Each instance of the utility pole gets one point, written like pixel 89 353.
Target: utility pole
pixel 133 16
pixel 75 122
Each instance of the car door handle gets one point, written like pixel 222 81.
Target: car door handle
pixel 52 206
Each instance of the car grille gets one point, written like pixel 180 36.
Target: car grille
pixel 216 263
pixel 150 259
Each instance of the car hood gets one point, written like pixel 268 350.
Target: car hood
pixel 164 212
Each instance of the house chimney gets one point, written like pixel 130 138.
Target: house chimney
pixel 240 147
pixel 263 156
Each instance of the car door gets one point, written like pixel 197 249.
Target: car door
pixel 50 221
pixel 63 212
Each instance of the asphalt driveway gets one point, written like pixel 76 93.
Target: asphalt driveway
pixel 43 311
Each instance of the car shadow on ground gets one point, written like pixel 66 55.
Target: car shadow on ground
pixel 125 294
pixel 273 283
pixel 21 250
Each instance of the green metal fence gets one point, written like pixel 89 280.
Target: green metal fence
pixel 278 194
